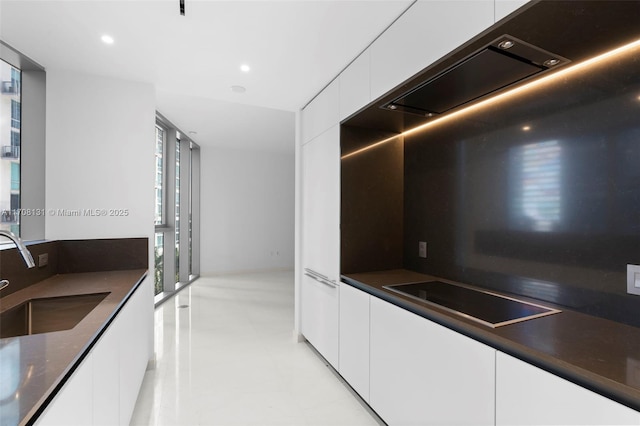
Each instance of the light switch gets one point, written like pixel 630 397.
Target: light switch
pixel 633 372
pixel 633 279
pixel 422 249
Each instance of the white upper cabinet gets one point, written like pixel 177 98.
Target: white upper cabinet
pixel 322 113
pixel 527 395
pixel 321 204
pixel 425 33
pixel 355 90
pixel 321 242
pixel 505 7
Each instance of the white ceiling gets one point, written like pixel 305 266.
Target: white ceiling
pixel 294 48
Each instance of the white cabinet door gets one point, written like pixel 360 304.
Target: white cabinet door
pixel 321 113
pixel 73 404
pixel 321 204
pixel 426 32
pixel 355 91
pixel 321 242
pixel 319 322
pixel 106 379
pixel 425 374
pixel 527 395
pixel 354 338
pixel 104 388
pixel 133 350
pixel 505 7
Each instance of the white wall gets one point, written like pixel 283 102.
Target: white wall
pixel 247 205
pixel 99 155
pixel 100 146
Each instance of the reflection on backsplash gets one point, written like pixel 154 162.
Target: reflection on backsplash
pixel 536 170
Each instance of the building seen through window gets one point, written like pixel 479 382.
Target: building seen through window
pixel 10 125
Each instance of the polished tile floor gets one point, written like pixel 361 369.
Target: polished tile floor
pixel 225 355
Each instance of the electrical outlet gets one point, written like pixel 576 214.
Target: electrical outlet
pixel 422 249
pixel 43 260
pixel 633 279
pixel 633 372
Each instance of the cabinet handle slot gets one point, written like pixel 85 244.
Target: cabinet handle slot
pixel 322 280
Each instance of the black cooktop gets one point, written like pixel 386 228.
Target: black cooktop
pixel 488 308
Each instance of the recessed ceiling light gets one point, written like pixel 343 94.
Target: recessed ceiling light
pixel 238 89
pixel 551 62
pixel 107 39
pixel 526 128
pixel 245 68
pixel 505 44
pixel 191 132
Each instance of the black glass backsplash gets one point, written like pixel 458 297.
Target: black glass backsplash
pixel 537 194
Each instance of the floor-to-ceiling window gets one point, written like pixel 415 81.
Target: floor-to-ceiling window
pixel 177 211
pixel 159 210
pixel 10 107
pixel 22 145
pixel 177 222
pixel 191 212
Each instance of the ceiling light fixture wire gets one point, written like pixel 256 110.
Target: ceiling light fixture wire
pixel 182 7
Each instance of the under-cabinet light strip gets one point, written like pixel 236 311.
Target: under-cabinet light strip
pixel 518 90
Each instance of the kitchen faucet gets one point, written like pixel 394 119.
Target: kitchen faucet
pixel 24 252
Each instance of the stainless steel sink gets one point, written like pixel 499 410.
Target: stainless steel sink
pixel 44 315
pixel 491 309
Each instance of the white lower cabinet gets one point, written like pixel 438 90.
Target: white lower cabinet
pixel 73 405
pixel 133 350
pixel 319 322
pixel 104 388
pixel 106 381
pixel 354 338
pixel 425 374
pixel 527 395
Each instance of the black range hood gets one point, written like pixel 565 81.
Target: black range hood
pixel 503 62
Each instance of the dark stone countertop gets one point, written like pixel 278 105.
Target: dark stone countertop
pixel 36 366
pixel 598 354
